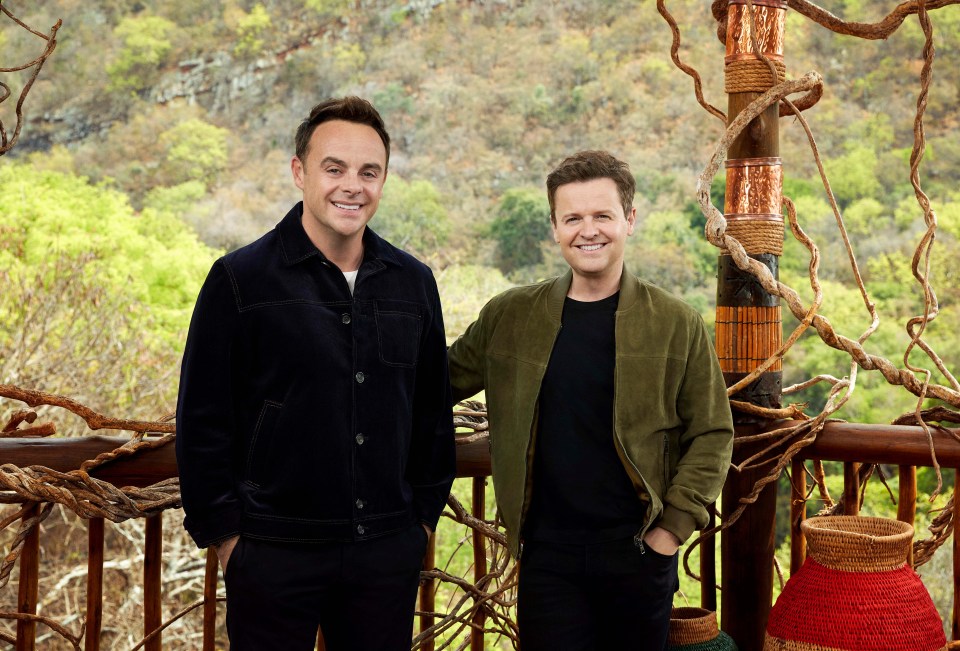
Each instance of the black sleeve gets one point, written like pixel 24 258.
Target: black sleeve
pixel 206 432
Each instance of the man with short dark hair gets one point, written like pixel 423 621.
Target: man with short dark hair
pixel 610 428
pixel 314 437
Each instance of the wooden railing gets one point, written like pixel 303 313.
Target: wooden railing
pixel 853 445
pixel 905 447
pixel 149 467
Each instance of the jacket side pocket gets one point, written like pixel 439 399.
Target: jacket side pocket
pixel 260 443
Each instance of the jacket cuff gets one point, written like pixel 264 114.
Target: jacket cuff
pixel 428 505
pixel 680 523
pixel 214 527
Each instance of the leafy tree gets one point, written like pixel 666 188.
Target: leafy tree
pixel 63 215
pixel 854 175
pixel 195 150
pixel 411 215
pixel 250 29
pixel 521 224
pixel 145 47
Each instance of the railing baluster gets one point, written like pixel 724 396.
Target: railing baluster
pixel 955 624
pixel 907 499
pixel 851 488
pixel 798 512
pixel 708 565
pixel 152 559
pixel 94 584
pixel 211 576
pixel 479 557
pixel 427 590
pixel 29 584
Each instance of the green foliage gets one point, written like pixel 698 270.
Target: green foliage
pixel 195 150
pixel 175 200
pixel 250 29
pixel 464 289
pixel 865 215
pixel 853 175
pixel 522 222
pixel 411 216
pixel 393 98
pixel 152 258
pixel 145 46
pixel 96 298
pixel 327 8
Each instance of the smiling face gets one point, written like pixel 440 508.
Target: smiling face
pixel 342 181
pixel 591 229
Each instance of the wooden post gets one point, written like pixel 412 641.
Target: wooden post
pixel 798 513
pixel 479 558
pixel 907 499
pixel 211 577
pixel 749 323
pixel 427 589
pixel 94 584
pixel 851 488
pixel 955 623
pixel 29 583
pixel 152 565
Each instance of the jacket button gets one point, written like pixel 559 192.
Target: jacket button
pixel 360 504
pixel 360 439
pixel 360 529
pixel 345 318
pixel 359 377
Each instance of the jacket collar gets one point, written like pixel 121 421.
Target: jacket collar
pixel 557 293
pixel 296 246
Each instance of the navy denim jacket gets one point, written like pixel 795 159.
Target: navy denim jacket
pixel 308 414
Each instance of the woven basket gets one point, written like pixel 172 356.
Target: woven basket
pixel 855 592
pixel 858 544
pixel 695 629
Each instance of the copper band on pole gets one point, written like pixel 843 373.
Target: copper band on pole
pixel 752 204
pixel 754 186
pixel 769 25
pixel 744 71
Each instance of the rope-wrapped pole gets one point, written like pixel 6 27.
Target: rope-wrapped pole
pixel 749 321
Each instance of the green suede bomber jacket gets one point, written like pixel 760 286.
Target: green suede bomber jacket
pixel 673 429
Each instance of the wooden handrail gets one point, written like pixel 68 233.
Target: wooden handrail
pixel 151 466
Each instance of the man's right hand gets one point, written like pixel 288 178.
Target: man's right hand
pixel 224 550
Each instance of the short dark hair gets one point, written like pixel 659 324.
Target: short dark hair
pixel 349 109
pixel 587 166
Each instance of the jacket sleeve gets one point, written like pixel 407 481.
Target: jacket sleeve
pixel 468 359
pixel 205 415
pixel 431 467
pixel 706 443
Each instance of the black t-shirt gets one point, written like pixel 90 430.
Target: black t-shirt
pixel 581 492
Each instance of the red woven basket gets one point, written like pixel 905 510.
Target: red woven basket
pixel 855 592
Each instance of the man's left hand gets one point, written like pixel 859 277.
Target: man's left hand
pixel 662 541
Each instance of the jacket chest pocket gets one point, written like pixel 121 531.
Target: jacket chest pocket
pixel 398 332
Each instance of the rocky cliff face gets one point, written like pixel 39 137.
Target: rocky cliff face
pixel 217 82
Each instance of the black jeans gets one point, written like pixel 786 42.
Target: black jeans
pixel 362 595
pixel 608 595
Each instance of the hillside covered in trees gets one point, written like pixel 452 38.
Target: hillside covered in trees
pixel 159 134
